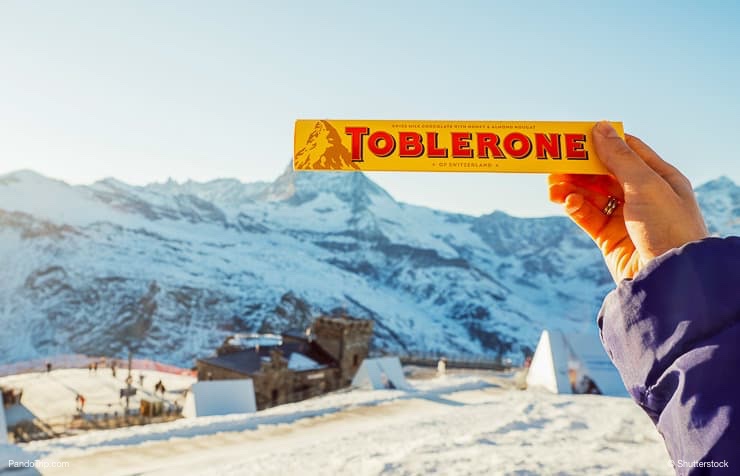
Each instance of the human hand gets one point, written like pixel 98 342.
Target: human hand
pixel 657 209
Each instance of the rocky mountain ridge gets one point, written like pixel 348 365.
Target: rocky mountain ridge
pixel 169 270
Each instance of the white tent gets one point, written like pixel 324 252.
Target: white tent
pixel 384 372
pixel 559 354
pixel 3 425
pixel 220 397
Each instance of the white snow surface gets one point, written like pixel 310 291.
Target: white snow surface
pixel 457 424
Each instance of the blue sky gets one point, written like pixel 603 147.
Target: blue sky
pixel 143 91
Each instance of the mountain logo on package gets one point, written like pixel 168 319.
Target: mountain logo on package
pixel 324 151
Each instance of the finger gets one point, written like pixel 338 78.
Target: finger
pixel 605 184
pixel 560 191
pixel 670 174
pixel 628 167
pixel 609 234
pixel 586 209
pixel 585 214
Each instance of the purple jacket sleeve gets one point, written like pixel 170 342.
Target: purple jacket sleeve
pixel 674 334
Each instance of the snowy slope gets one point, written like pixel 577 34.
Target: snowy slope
pixel 461 424
pixel 169 270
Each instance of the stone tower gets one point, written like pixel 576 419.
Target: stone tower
pixel 346 339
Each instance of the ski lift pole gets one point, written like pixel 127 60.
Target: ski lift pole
pixel 129 379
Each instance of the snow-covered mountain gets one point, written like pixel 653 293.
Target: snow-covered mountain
pixel 169 270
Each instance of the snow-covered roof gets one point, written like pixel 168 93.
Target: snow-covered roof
pixel 300 362
pixel 251 341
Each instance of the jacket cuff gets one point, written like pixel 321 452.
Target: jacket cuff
pixel 680 298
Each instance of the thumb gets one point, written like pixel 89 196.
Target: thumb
pixel 626 166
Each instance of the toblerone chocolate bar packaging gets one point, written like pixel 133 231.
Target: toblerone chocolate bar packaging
pixel 447 146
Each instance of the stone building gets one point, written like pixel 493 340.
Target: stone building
pixel 293 366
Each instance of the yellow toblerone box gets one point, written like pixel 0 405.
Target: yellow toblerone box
pixel 446 146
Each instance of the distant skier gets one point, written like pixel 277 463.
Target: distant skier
pixel 113 369
pixel 80 403
pixel 141 380
pixel 48 367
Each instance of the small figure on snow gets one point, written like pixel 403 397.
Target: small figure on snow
pixel 442 367
pixel 80 403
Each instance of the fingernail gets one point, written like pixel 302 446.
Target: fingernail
pixel 573 202
pixel 604 129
